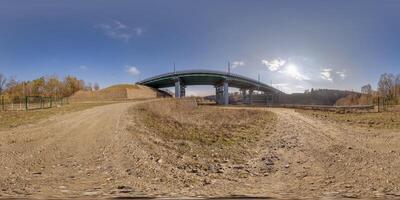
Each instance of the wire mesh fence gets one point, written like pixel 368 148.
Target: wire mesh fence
pixel 30 103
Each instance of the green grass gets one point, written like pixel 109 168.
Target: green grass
pixel 10 119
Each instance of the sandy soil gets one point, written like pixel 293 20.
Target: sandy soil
pixel 103 152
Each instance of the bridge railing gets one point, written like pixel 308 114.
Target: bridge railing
pixel 185 72
pixel 331 108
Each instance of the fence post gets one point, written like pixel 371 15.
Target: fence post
pixel 26 103
pixel 378 104
pixel 2 103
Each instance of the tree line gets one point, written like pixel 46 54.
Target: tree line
pixel 388 86
pixel 48 86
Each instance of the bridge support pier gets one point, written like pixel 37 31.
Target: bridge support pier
pixel 247 97
pixel 222 94
pixel 179 89
pixel 226 93
pixel 250 101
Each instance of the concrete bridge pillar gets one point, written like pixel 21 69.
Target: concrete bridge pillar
pixel 247 96
pixel 250 101
pixel 179 89
pixel 244 95
pixel 222 94
pixel 226 93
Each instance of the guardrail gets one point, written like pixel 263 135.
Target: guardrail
pixel 330 108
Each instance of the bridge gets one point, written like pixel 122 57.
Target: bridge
pixel 220 80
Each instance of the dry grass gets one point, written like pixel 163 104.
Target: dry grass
pixel 195 127
pixel 383 120
pixel 10 119
pixel 119 92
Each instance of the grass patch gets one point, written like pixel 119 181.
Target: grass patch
pixel 10 119
pixel 203 128
pixel 383 120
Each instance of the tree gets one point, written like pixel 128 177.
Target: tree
pixel 397 86
pixel 3 81
pixel 53 87
pixel 14 89
pixel 386 85
pixel 38 86
pixel 96 86
pixel 71 85
pixel 89 87
pixel 366 89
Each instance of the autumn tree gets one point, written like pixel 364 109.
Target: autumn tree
pixel 53 86
pixel 72 85
pixel 50 86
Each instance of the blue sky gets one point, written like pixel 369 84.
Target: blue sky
pixel 296 45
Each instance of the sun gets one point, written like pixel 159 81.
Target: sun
pixel 292 70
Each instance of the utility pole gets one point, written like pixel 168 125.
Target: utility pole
pixel 229 67
pixel 174 68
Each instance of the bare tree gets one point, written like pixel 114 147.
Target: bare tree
pixel 3 81
pixel 397 86
pixel 96 86
pixel 386 85
pixel 366 89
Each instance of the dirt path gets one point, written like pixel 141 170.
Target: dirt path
pixel 62 156
pixel 308 157
pixel 94 153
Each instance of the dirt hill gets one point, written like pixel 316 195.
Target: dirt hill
pixel 117 93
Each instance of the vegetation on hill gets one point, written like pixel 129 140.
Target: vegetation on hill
pixel 315 97
pixel 388 87
pixel 44 86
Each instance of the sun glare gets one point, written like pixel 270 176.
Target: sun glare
pixel 291 70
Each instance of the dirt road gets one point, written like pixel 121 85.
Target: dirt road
pixel 98 153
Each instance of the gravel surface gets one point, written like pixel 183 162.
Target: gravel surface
pixel 104 152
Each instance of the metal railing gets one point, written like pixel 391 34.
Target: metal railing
pixel 30 103
pixel 330 108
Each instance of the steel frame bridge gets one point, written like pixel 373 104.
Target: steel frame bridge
pixel 220 80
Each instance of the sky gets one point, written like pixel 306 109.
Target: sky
pixel 293 45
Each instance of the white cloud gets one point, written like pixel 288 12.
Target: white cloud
pixel 331 74
pixel 274 65
pixel 326 74
pixel 288 87
pixel 132 70
pixel 342 73
pixel 238 63
pixel 118 30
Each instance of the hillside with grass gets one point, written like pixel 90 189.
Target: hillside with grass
pixel 118 93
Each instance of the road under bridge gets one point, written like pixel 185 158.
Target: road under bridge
pixel 220 80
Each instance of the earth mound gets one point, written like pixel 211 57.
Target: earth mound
pixel 118 93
